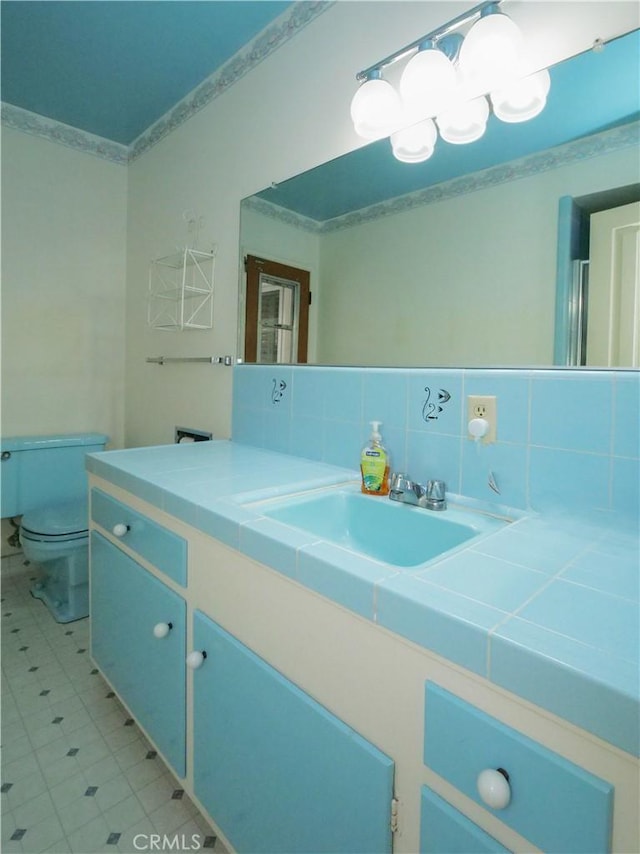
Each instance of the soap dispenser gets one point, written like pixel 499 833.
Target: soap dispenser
pixel 374 464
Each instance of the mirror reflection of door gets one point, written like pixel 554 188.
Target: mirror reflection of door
pixel 613 336
pixel 277 312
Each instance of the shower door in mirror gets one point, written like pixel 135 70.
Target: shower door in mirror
pixel 277 312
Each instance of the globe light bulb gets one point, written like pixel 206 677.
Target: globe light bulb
pixel 465 122
pixel 416 143
pixel 427 83
pixel 522 99
pixel 490 52
pixel 375 109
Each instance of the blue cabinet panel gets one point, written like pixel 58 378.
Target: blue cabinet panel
pixel 274 768
pixel 147 672
pixel 555 804
pixel 164 549
pixel 444 830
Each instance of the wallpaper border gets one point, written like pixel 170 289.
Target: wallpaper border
pixel 265 43
pixel 605 142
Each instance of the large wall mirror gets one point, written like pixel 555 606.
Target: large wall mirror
pixel 470 258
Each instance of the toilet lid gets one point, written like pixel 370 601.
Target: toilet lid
pixel 59 520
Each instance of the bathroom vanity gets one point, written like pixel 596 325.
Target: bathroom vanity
pixel 311 698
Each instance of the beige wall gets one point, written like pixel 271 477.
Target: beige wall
pixel 64 223
pixel 467 281
pixel 63 281
pixel 290 113
pixel 283 117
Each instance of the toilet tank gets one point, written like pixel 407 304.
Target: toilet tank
pixel 40 470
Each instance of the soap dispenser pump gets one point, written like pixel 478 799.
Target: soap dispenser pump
pixel 374 464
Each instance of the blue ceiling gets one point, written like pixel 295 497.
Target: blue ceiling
pixel 113 68
pixel 589 93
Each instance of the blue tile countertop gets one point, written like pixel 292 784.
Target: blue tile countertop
pixel 547 608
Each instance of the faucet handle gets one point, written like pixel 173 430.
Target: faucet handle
pixel 399 482
pixel 436 489
pixel 435 495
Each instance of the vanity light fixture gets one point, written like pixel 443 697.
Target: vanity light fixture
pixel 450 84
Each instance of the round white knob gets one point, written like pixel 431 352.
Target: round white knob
pixel 195 659
pixel 120 529
pixel 494 788
pixel 161 630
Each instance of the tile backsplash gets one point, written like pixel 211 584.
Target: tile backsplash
pixel 566 439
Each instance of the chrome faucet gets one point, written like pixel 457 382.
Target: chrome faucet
pixel 431 496
pixel 405 490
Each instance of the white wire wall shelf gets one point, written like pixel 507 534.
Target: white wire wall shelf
pixel 181 291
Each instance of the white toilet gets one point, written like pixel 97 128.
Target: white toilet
pixel 44 481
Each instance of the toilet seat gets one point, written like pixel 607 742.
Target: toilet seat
pixel 59 523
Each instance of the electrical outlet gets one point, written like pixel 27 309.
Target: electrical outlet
pixel 484 406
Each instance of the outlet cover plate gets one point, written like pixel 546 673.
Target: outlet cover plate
pixel 483 406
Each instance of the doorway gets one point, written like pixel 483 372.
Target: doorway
pixel 276 312
pixel 613 333
pixel 614 303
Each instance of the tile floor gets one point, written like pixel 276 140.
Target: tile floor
pixel 77 773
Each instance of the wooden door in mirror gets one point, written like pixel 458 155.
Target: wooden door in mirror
pixel 276 313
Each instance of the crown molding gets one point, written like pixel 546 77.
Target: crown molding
pixel 54 131
pixel 268 209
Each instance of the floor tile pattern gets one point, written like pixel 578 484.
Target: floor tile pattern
pixel 78 776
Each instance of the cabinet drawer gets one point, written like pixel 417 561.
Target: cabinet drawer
pixel 444 830
pixel 164 549
pixel 554 804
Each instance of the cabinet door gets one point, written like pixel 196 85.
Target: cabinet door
pixel 147 672
pixel 444 830
pixel 274 768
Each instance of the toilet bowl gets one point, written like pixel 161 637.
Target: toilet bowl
pixel 56 540
pixel 44 480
